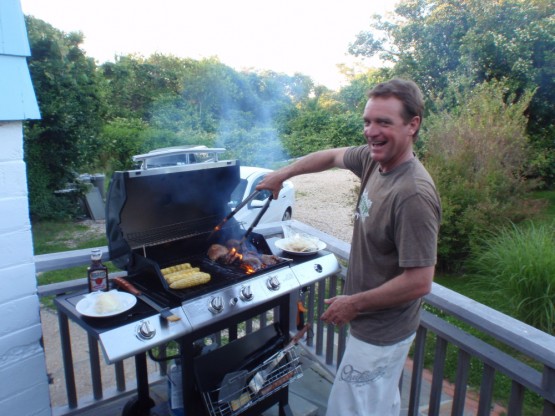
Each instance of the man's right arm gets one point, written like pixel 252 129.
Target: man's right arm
pixel 311 163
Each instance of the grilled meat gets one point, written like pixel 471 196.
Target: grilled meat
pixel 217 251
pixel 269 259
pixel 235 253
pixel 253 261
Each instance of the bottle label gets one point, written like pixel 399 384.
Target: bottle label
pixel 98 280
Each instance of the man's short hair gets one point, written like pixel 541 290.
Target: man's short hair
pixel 405 91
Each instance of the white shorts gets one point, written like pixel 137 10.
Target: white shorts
pixel 367 381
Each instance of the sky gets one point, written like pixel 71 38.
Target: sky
pixel 287 36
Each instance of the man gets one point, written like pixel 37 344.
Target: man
pixel 393 251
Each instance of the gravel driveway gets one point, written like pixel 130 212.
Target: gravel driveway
pixel 326 201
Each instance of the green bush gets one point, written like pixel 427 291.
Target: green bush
pixel 477 155
pixel 517 266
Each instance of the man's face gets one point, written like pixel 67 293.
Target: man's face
pixel 389 138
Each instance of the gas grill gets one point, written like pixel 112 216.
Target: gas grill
pixel 167 216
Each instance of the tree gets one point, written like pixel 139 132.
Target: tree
pixel 64 141
pixel 448 46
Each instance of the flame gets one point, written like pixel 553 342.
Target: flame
pixel 234 255
pixel 247 268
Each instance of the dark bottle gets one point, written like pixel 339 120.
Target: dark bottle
pixel 97 273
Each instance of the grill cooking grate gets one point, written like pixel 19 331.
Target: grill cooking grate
pixel 171 233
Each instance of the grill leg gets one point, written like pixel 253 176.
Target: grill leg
pixel 141 404
pixel 285 410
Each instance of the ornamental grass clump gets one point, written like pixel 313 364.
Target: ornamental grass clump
pixel 517 266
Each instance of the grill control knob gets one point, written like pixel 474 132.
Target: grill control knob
pixel 145 331
pixel 246 293
pixel 216 305
pixel 273 283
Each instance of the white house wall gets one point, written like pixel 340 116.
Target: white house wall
pixel 23 379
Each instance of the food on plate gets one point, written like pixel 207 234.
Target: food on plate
pixel 176 268
pixel 106 302
pixel 300 244
pixel 190 280
pixel 174 277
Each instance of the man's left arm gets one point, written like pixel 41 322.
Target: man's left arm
pixel 410 285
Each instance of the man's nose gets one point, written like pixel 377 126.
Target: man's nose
pixel 370 130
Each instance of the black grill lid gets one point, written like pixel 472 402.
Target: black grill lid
pixel 150 207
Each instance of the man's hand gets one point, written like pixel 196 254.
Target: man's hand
pixel 273 181
pixel 341 310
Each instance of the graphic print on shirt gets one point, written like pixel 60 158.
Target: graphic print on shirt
pixel 363 206
pixel 350 375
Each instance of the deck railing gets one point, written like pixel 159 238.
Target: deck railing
pixel 529 367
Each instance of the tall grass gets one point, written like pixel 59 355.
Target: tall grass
pixel 517 266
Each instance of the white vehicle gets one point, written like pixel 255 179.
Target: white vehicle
pixel 280 209
pixel 178 155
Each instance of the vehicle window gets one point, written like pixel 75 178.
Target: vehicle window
pixel 262 195
pixel 204 157
pixel 238 192
pixel 162 161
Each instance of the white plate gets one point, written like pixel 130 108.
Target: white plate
pixel 284 244
pixel 87 305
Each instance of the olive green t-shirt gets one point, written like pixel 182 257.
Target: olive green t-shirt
pixel 396 225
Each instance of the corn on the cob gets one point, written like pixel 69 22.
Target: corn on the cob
pixel 194 279
pixel 175 276
pixel 176 268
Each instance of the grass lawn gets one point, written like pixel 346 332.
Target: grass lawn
pixel 56 236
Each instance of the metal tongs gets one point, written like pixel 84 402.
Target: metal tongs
pixel 237 208
pixel 257 219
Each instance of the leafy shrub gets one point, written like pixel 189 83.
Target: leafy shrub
pixel 517 266
pixel 323 128
pixel 477 155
